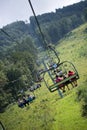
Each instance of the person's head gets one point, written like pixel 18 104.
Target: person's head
pixel 58 69
pixel 18 99
pixel 56 76
pixel 54 71
pixel 61 76
pixel 70 71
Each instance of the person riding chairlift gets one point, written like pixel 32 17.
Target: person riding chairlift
pixel 59 79
pixel 30 98
pixel 64 76
pixel 74 81
pixel 25 101
pixel 20 103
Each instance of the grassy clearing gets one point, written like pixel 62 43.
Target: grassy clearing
pixel 48 111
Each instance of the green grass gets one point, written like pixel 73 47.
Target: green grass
pixel 48 111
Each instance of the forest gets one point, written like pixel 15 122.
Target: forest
pixel 18 53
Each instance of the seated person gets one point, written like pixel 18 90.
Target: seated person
pixel 59 79
pixel 71 73
pixel 25 101
pixel 55 66
pixel 58 72
pixel 20 103
pixel 30 98
pixel 67 82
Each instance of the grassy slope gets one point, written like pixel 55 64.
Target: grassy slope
pixel 48 111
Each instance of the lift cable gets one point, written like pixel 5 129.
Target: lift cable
pixel 9 36
pixel 42 35
pixel 38 24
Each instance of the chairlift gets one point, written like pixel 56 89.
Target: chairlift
pixel 64 66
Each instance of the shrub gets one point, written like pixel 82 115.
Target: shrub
pixel 82 97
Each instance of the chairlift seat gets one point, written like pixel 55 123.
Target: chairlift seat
pixel 66 81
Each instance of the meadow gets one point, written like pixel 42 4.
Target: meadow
pixel 48 111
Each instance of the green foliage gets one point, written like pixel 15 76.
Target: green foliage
pixel 56 25
pixel 17 32
pixel 53 25
pixel 48 111
pixel 74 49
pixel 82 97
pixel 3 80
pixel 85 13
pixel 17 70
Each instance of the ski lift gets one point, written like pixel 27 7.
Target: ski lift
pixel 64 68
pixel 60 69
pixel 48 72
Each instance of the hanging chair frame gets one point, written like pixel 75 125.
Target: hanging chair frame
pixel 55 86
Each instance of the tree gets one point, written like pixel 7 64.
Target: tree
pixel 85 13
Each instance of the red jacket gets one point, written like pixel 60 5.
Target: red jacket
pixel 70 73
pixel 59 79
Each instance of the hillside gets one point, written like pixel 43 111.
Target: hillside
pixel 54 26
pixel 16 32
pixel 48 111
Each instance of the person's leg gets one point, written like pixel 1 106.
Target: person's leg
pixel 68 87
pixel 75 82
pixel 73 85
pixel 63 88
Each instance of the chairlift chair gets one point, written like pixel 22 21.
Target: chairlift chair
pixel 65 67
